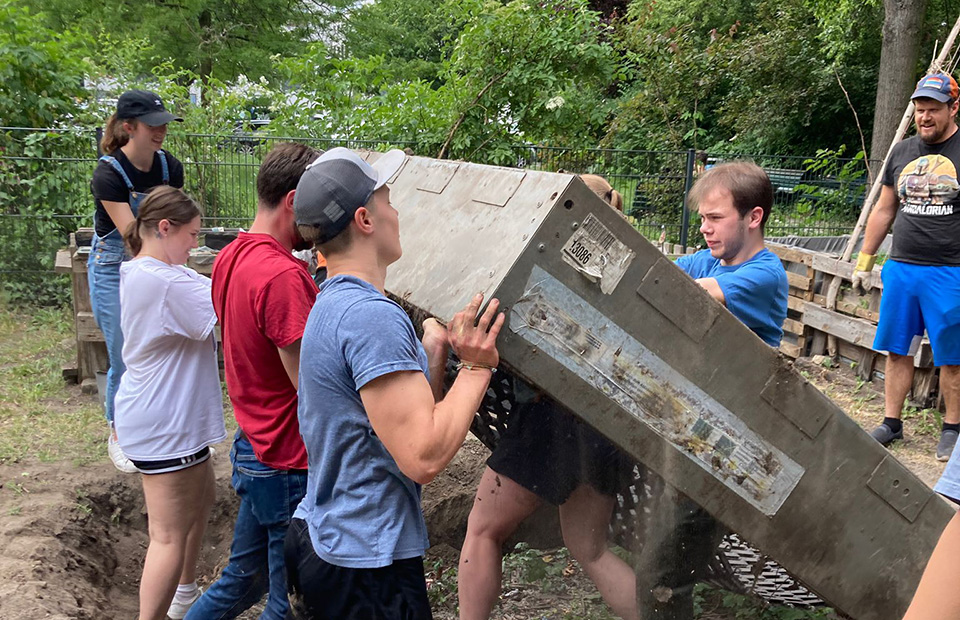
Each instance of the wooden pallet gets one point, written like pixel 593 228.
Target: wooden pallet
pixel 802 280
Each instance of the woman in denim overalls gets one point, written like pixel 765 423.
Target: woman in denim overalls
pixel 133 164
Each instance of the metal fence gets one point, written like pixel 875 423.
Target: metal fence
pixel 45 194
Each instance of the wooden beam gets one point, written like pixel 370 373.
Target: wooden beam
pixel 835 267
pixel 64 262
pixel 790 350
pixel 856 331
pixel 793 327
pixel 792 254
pixel 804 283
pixel 87 329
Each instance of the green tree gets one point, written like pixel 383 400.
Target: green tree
pixel 414 37
pixel 748 76
pixel 41 71
pixel 213 38
pixel 528 71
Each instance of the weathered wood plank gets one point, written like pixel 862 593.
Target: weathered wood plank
pixel 63 262
pixel 865 358
pixel 795 303
pixel 818 344
pixel 87 329
pixel 790 350
pixel 792 254
pixel 925 381
pixel 830 265
pixel 854 310
pixel 854 330
pixel 793 326
pixel 803 283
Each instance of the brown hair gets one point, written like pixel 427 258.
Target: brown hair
pixel 114 135
pixel 162 203
pixel 601 187
pixel 330 247
pixel 748 184
pixel 281 171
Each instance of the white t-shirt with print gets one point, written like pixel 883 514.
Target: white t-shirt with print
pixel 169 403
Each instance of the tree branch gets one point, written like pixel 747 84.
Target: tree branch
pixel 463 115
pixel 863 143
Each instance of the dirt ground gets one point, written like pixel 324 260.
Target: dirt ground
pixel 72 538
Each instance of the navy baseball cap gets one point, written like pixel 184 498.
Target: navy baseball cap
pixel 338 183
pixel 939 86
pixel 145 106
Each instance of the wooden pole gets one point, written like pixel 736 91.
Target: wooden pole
pixel 834 288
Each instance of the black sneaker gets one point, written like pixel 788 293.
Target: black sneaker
pixel 948 439
pixel 885 435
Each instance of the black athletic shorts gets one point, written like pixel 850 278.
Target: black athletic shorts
pixel 550 452
pixel 321 591
pixel 171 465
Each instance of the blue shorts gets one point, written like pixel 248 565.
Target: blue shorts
pixel 918 297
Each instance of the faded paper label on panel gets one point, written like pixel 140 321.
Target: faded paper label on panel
pixel 564 326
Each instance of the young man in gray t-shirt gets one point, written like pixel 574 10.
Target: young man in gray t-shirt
pixel 370 406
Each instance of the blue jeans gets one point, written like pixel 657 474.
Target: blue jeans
pixel 268 498
pixel 103 276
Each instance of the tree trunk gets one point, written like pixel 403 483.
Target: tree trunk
pixel 898 66
pixel 205 22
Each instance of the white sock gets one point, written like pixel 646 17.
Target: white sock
pixel 186 592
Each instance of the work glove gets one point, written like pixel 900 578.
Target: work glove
pixel 862 273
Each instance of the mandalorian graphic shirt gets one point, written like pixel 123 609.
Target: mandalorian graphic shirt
pixel 924 177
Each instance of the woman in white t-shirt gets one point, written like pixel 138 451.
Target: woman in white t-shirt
pixel 169 407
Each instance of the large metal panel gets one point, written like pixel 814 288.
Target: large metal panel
pixel 601 321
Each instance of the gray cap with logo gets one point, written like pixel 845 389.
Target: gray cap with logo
pixel 338 183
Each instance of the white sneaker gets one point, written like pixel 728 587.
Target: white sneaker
pixel 120 460
pixel 178 610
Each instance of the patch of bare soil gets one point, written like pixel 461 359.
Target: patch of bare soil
pixel 72 540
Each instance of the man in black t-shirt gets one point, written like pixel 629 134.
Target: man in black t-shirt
pixel 921 281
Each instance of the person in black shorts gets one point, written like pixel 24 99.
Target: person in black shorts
pixel 547 454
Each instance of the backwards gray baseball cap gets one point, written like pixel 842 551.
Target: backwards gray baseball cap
pixel 338 183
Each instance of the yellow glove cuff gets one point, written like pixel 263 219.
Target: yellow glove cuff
pixel 865 262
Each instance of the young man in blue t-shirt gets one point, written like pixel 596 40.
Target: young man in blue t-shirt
pixel 370 408
pixel 734 201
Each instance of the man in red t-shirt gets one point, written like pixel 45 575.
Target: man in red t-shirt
pixel 262 295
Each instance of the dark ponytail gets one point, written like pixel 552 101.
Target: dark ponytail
pixel 162 203
pixel 114 136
